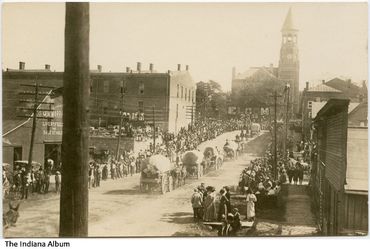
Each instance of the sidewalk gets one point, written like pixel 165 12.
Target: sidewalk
pixel 299 219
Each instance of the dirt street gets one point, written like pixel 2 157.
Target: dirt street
pixel 118 208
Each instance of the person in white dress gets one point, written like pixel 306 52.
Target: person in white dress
pixel 251 199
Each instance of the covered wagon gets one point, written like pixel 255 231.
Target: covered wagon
pixel 255 129
pixel 156 174
pixel 193 161
pixel 230 150
pixel 213 156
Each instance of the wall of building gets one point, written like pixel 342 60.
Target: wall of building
pixel 110 144
pixel 181 85
pixel 148 88
pixel 331 164
pixel 356 214
pixel 358 117
pixel 144 87
pixel 306 111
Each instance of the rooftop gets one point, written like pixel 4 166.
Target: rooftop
pixel 322 88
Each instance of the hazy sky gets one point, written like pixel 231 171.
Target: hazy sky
pixel 210 38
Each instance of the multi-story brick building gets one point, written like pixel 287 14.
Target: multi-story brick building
pixel 168 93
pixel 144 92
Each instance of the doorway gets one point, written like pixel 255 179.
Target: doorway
pixel 54 152
pixel 17 154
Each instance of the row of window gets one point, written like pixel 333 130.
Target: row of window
pixel 104 106
pixel 185 93
pixel 182 92
pixel 123 84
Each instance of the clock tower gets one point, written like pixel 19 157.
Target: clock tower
pixel 289 60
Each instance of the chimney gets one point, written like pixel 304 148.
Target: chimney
pixel 178 67
pixel 47 67
pixel 271 68
pixel 138 67
pixel 323 81
pixel 151 67
pixel 169 71
pixel 187 67
pixel 307 85
pixel 100 68
pixel 22 65
pixel 127 69
pixel 233 73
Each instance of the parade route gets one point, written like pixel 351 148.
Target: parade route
pixel 118 208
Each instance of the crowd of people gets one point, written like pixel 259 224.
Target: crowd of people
pixel 261 178
pixel 258 177
pixel 210 206
pixel 24 181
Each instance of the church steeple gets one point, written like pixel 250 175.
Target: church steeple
pixel 288 23
pixel 289 58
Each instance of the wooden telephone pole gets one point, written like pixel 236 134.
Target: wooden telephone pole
pixel 153 131
pixel 35 108
pixel 287 89
pixel 120 124
pixel 275 96
pixel 73 220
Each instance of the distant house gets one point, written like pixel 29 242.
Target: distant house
pixel 340 169
pixel 313 98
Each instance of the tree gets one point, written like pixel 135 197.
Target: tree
pixel 211 101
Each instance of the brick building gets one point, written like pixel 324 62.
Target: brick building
pixel 169 93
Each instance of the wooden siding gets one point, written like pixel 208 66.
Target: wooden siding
pixel 356 213
pixel 335 158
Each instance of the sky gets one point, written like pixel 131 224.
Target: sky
pixel 210 38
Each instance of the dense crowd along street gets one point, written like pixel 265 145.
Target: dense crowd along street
pixel 208 202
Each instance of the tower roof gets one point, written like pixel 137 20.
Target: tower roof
pixel 288 23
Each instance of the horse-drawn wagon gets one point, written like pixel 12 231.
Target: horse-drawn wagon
pixel 213 157
pixel 230 150
pixel 156 174
pixel 194 163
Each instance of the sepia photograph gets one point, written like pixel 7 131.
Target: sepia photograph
pixel 133 120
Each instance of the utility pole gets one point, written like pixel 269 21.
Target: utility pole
pixel 73 219
pixel 120 124
pixel 35 108
pixel 286 122
pixel 153 131
pixel 275 96
pixel 34 117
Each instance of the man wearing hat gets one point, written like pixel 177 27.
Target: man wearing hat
pixel 197 204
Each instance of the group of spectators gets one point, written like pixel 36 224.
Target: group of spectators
pixel 127 165
pixel 23 181
pixel 258 177
pixel 212 206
